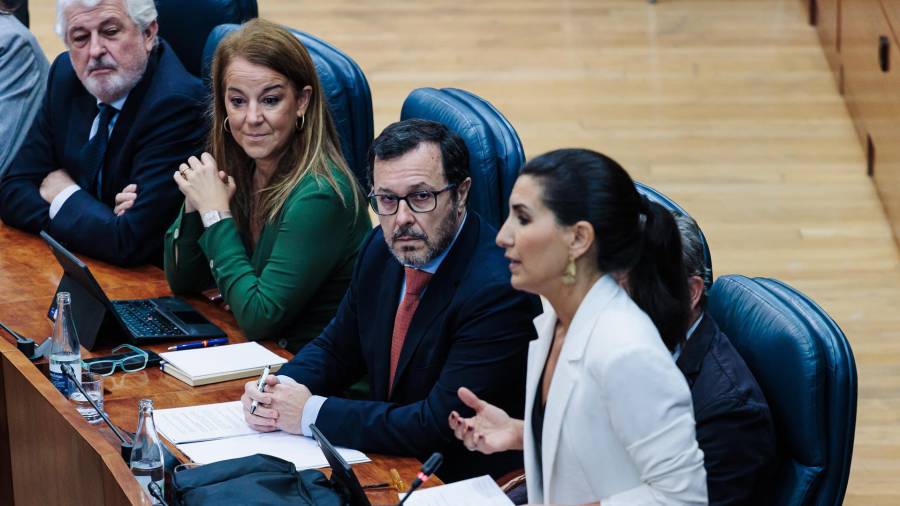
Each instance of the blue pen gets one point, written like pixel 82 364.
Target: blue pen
pixel 199 344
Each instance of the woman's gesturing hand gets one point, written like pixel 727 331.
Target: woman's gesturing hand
pixel 491 430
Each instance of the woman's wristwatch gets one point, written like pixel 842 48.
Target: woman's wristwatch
pixel 210 218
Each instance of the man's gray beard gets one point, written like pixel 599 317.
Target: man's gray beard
pixel 445 234
pixel 115 87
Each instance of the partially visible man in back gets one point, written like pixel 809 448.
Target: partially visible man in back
pixel 429 309
pixel 23 77
pixel 120 113
pixel 734 425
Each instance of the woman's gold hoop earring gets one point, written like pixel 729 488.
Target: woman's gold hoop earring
pixel 302 121
pixel 225 126
pixel 568 277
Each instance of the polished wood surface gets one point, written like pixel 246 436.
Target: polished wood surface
pixel 727 106
pixel 29 274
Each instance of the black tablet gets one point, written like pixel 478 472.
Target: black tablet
pixel 342 476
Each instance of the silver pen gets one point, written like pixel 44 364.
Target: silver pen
pixel 259 386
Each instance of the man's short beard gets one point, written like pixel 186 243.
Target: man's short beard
pixel 113 87
pixel 433 246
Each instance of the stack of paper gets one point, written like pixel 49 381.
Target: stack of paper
pixel 213 432
pixel 481 491
pixel 202 366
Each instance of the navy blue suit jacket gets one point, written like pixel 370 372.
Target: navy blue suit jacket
pixel 734 424
pixel 470 329
pixel 160 126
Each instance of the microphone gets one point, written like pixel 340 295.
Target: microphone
pixel 125 445
pixel 428 468
pixel 26 345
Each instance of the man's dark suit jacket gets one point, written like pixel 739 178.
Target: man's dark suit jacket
pixel 160 126
pixel 734 425
pixel 470 329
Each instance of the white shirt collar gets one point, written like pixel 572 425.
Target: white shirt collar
pixel 117 104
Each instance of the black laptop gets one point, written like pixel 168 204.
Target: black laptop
pixel 143 321
pixel 343 479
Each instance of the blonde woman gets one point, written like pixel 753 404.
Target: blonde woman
pixel 272 214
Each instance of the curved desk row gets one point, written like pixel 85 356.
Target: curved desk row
pixel 48 453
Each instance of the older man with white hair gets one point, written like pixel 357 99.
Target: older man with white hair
pixel 119 114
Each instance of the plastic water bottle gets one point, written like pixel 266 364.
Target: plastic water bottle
pixel 147 454
pixel 65 348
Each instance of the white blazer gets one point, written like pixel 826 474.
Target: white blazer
pixel 618 424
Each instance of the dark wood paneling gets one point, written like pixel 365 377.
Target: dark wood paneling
pixel 864 30
pixel 884 130
pixel 6 488
pixel 870 57
pixel 59 458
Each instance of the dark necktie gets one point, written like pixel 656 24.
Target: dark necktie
pixel 415 283
pixel 94 153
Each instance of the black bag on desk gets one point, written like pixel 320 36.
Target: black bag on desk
pixel 257 479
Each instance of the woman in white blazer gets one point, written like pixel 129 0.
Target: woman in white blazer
pixel 608 416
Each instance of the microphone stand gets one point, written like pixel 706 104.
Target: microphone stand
pixel 26 345
pixel 428 468
pixel 156 493
pixel 125 444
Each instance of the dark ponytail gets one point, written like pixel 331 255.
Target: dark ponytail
pixel 633 236
pixel 658 282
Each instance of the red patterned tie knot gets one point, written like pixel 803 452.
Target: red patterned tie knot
pixel 416 281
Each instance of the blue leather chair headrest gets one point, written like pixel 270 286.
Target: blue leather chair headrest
pixel 805 368
pixel 656 196
pixel 495 151
pixel 186 24
pixel 346 91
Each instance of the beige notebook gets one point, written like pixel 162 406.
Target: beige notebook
pixel 202 366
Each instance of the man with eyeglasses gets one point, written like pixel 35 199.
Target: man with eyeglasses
pixel 429 309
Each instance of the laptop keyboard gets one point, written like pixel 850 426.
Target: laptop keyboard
pixel 142 319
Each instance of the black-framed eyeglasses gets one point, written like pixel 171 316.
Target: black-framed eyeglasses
pixel 134 361
pixel 423 201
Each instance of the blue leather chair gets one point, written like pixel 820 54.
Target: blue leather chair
pixel 186 24
pixel 495 151
pixel 346 91
pixel 656 196
pixel 804 364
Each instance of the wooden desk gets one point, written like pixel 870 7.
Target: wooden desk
pixel 48 453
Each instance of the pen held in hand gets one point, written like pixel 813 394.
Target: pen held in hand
pixel 259 386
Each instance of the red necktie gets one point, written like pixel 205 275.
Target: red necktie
pixel 415 282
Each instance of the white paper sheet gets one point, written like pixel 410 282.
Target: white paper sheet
pixel 202 423
pixel 302 451
pixel 481 491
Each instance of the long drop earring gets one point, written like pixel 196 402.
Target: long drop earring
pixel 568 277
